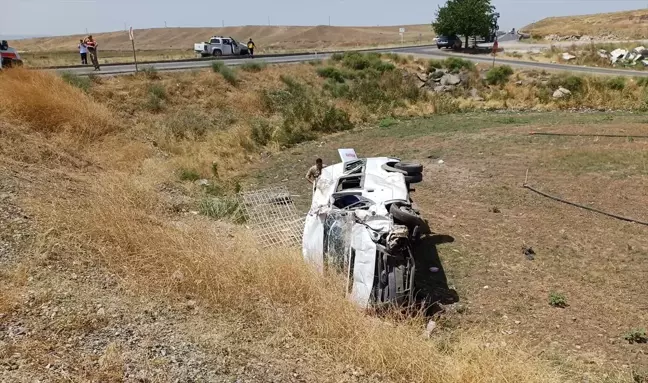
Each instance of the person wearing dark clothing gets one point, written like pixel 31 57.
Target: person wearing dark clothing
pixel 251 47
pixel 92 49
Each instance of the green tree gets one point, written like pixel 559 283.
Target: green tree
pixel 467 18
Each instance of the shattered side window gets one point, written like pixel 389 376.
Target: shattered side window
pixel 337 240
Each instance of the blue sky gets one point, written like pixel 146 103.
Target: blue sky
pixel 62 17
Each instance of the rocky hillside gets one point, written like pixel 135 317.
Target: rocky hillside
pixel 602 26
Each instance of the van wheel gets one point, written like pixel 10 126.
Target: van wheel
pixel 217 53
pixel 409 167
pixel 413 178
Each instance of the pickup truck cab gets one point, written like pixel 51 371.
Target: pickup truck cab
pixel 221 46
pixel 8 56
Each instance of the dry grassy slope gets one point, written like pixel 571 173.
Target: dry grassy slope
pixel 628 24
pixel 264 36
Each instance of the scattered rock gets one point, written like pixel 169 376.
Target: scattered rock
pixel 429 329
pixel 494 210
pixel 202 182
pixel 441 162
pixel 450 79
pixel 422 76
pixel 529 253
pixel 567 56
pixel 561 92
pixel 443 88
pixel 101 312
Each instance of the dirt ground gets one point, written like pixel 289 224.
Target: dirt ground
pixel 598 263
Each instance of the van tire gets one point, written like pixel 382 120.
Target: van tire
pixel 405 215
pixel 413 178
pixel 409 167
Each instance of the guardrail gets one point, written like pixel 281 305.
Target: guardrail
pixel 233 57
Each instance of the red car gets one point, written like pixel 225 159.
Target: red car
pixel 9 56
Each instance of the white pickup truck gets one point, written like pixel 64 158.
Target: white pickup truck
pixel 221 46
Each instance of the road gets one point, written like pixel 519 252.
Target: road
pixel 420 51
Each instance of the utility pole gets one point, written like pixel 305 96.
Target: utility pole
pixel 329 21
pixel 165 24
pixel 223 24
pixel 86 31
pixel 268 20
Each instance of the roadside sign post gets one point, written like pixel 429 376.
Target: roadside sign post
pixel 402 34
pixel 131 36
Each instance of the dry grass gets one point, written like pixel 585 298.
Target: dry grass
pixel 121 223
pixel 45 104
pixel 627 24
pixel 125 226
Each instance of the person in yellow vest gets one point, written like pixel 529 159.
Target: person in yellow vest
pixel 251 47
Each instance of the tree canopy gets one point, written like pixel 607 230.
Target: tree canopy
pixel 467 18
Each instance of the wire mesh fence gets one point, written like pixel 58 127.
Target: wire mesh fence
pixel 273 217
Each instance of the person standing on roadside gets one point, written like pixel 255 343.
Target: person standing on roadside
pixel 314 172
pixel 251 47
pixel 92 46
pixel 83 51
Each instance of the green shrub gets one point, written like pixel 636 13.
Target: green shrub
pixel 456 64
pixel 223 207
pixel 336 89
pixel 557 300
pixel 499 75
pixel 158 90
pixel 151 73
pixel 229 75
pixel 217 66
pixel 641 81
pixel 387 122
pixel 433 65
pixel 188 124
pixel 188 175
pixel 573 83
pixel 254 66
pixel 304 114
pixel 337 56
pixel 636 336
pixel 261 132
pixel 316 62
pixel 616 83
pixel 331 72
pixel 83 83
pixel 332 120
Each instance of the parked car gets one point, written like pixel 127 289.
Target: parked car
pixel 8 56
pixel 453 42
pixel 221 46
pixel 363 224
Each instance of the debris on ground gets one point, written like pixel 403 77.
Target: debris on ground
pixel 529 253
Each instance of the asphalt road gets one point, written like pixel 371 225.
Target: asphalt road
pixel 423 51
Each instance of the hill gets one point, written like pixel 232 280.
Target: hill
pixel 621 25
pixel 266 37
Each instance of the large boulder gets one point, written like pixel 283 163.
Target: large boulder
pixel 443 88
pixel 561 93
pixel 568 56
pixel 450 79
